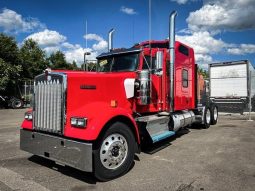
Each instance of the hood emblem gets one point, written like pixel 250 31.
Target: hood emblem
pixel 87 87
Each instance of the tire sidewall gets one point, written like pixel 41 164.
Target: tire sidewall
pixel 213 121
pixel 14 105
pixel 207 125
pixel 103 173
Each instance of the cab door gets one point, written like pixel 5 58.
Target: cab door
pixel 149 63
pixel 183 79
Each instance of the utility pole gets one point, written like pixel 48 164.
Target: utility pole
pixel 85 68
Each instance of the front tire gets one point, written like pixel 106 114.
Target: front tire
pixel 114 153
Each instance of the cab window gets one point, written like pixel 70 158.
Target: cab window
pixel 149 62
pixel 184 50
pixel 185 80
pixel 117 63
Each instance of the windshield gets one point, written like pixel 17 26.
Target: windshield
pixel 117 63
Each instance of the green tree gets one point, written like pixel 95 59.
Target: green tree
pixel 33 59
pixel 74 66
pixel 9 50
pixel 9 75
pixel 57 60
pixel 204 73
pixel 91 66
pixel 10 66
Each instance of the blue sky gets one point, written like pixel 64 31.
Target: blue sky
pixel 218 30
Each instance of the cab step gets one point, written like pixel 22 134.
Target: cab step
pixel 162 135
pixel 155 127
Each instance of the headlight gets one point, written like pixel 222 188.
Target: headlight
pixel 78 122
pixel 28 116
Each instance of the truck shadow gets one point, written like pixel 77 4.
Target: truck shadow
pixel 66 170
pixel 87 177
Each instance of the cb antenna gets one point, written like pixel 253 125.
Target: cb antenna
pixel 150 33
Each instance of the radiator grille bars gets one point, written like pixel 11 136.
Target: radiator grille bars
pixel 48 107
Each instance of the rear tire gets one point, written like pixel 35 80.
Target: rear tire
pixel 214 114
pixel 114 153
pixel 207 118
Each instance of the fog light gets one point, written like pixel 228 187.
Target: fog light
pixel 28 116
pixel 78 122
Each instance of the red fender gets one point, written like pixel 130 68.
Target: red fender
pixel 26 124
pixel 98 114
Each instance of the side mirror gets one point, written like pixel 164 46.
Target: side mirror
pixel 159 62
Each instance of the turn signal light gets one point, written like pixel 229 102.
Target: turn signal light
pixel 114 103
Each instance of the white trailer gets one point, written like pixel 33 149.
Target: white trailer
pixel 230 84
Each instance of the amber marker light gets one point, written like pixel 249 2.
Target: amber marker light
pixel 114 103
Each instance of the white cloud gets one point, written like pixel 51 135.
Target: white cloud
pixel 51 49
pixel 203 44
pixel 185 31
pixel 67 45
pixel 47 38
pixel 100 45
pixel 218 15
pixel 213 17
pixel 77 55
pixel 242 49
pixel 76 52
pixel 52 41
pixel 93 37
pixel 12 22
pixel 128 10
pixel 182 2
pixel 203 58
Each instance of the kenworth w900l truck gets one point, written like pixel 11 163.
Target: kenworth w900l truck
pixel 97 121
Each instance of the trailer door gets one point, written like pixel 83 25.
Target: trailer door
pixel 229 81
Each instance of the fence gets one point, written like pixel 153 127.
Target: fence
pixel 27 92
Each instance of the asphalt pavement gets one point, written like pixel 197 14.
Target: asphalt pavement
pixel 219 158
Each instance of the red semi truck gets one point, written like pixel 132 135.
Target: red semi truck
pixel 97 121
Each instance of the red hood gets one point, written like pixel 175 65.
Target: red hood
pixel 84 88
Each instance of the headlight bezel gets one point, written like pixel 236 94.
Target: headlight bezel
pixel 79 122
pixel 28 116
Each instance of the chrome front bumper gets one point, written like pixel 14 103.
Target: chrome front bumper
pixel 71 153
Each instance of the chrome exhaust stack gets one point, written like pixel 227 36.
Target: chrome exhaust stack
pixel 110 39
pixel 172 56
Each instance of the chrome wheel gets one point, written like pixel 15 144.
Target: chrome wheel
pixel 113 151
pixel 208 116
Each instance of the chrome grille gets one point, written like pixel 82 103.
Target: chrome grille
pixel 49 104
